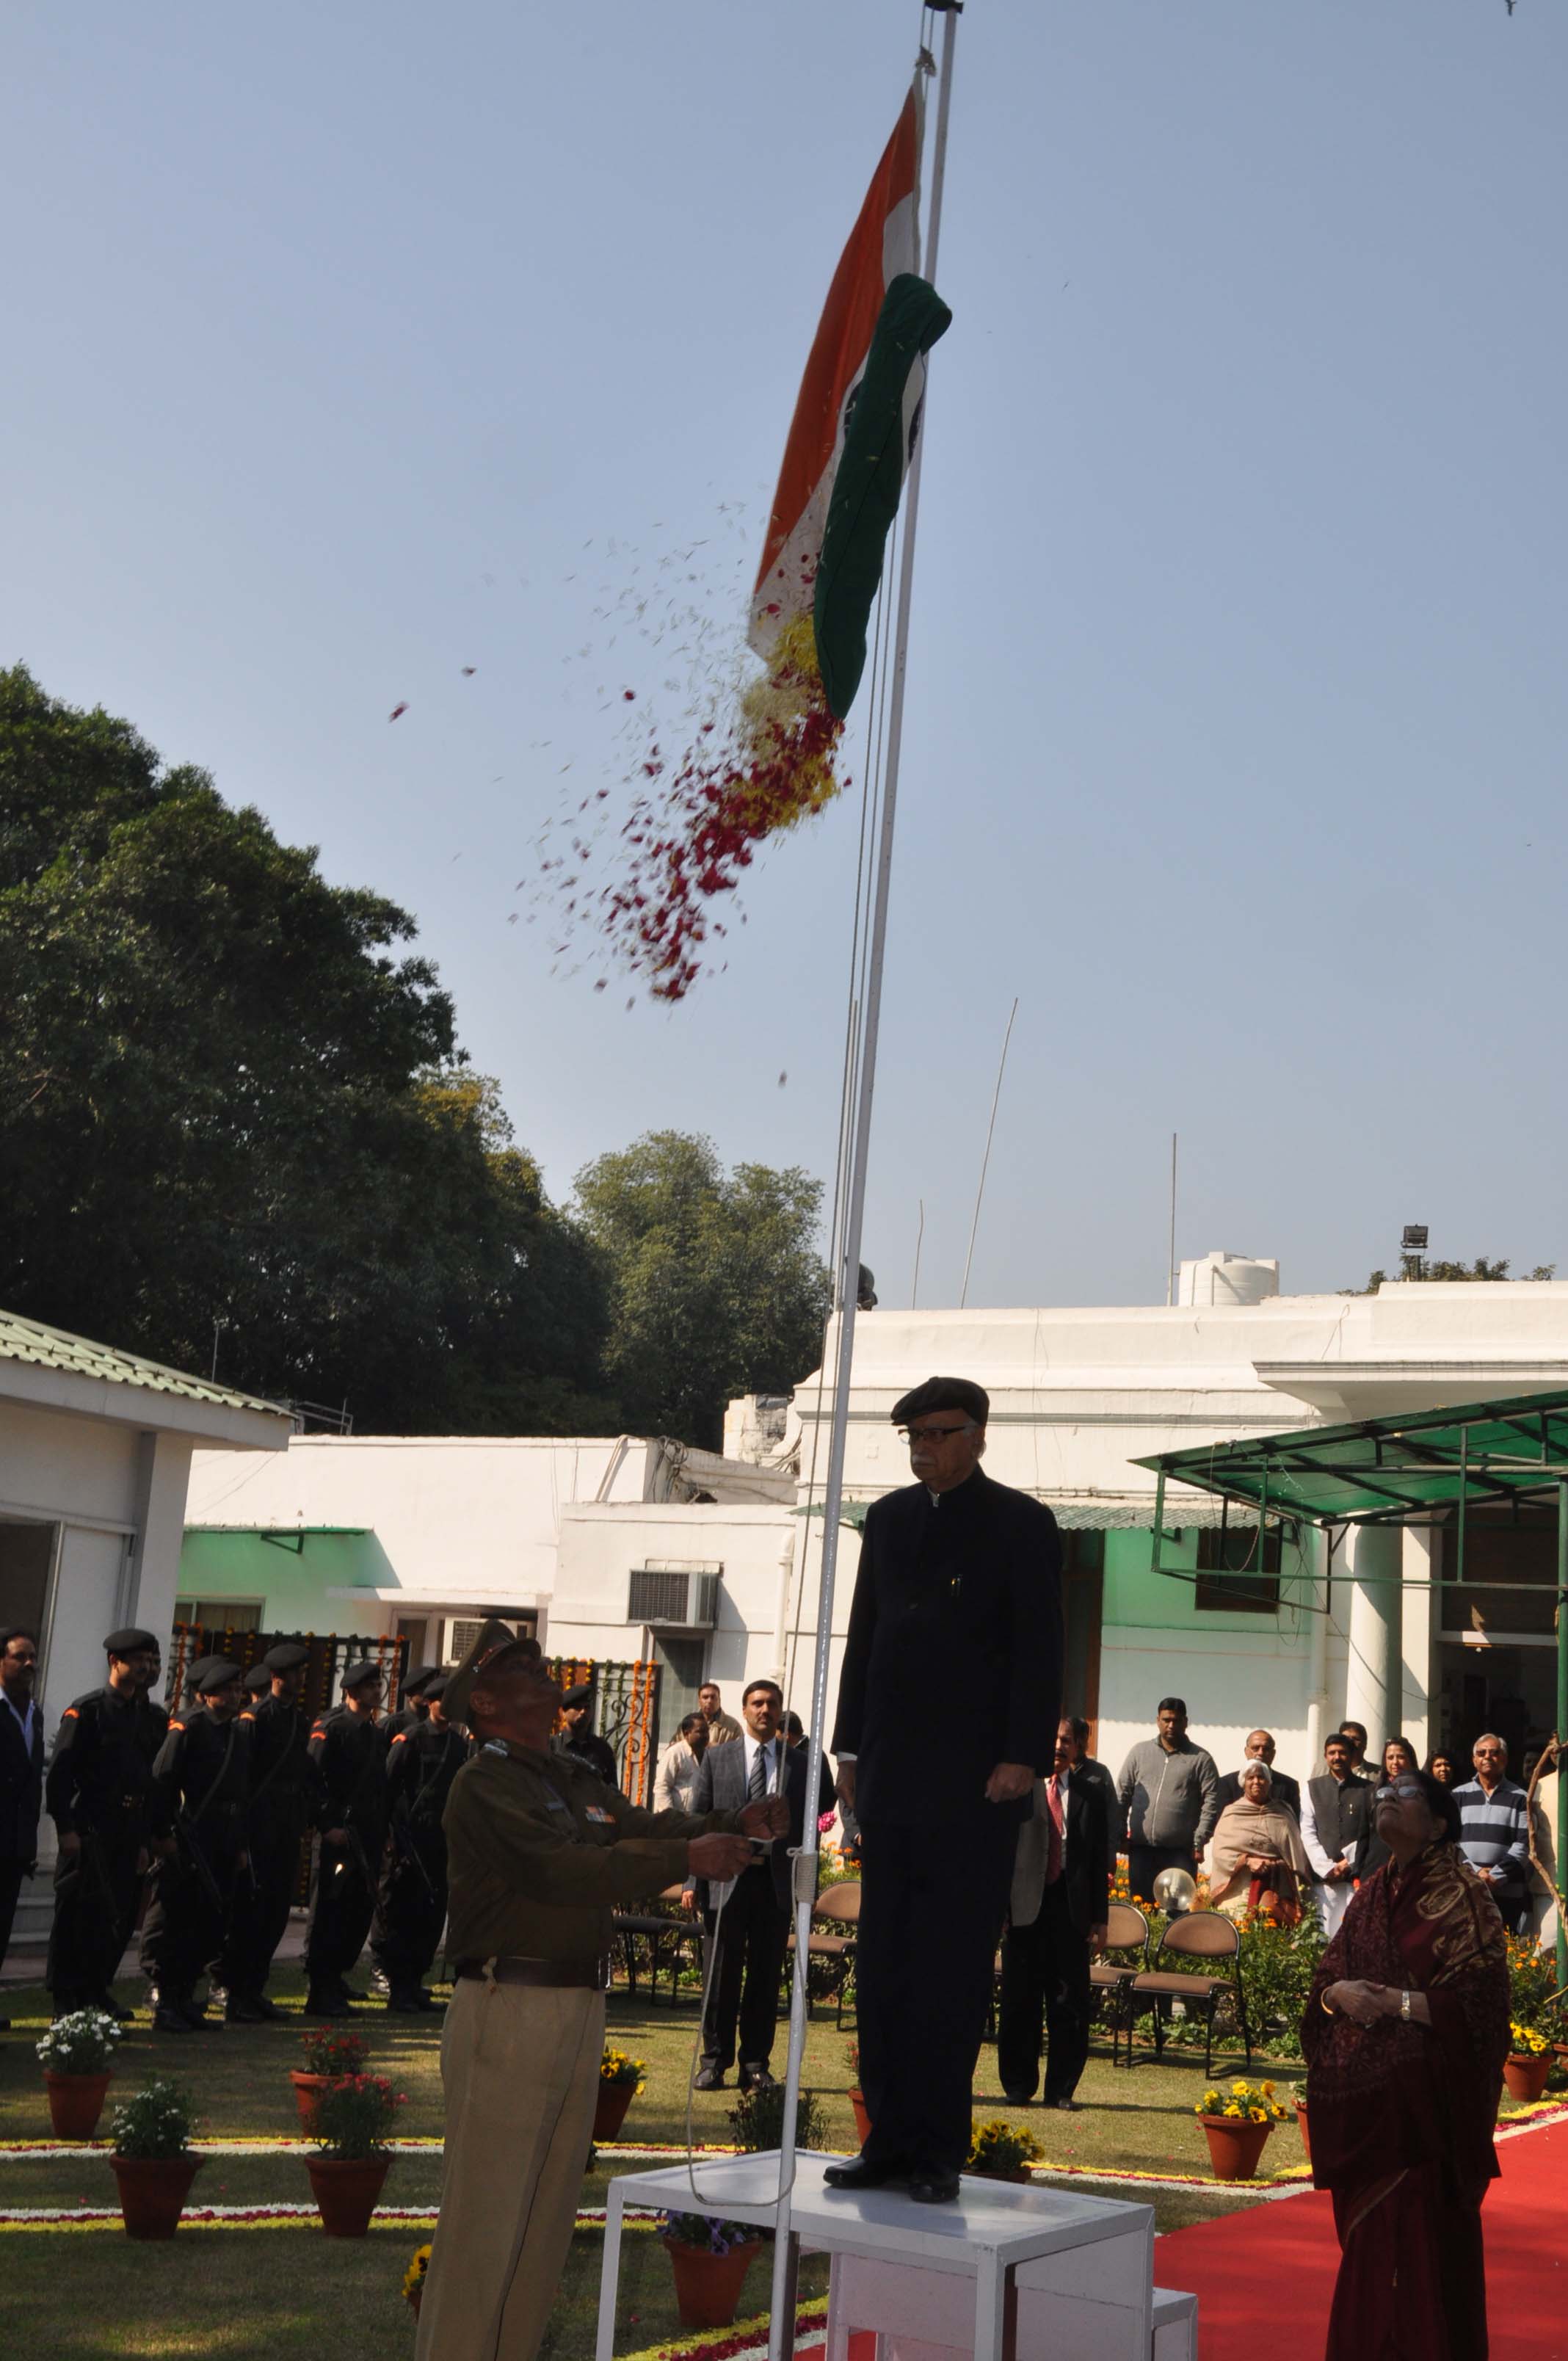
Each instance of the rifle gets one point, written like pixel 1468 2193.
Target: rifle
pixel 357 1847
pixel 185 1835
pixel 407 1844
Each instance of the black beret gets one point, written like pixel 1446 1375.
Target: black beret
pixel 581 1696
pixel 287 1656
pixel 258 1678
pixel 418 1680
pixel 436 1685
pixel 357 1674
pixel 121 1643
pixel 943 1393
pixel 212 1673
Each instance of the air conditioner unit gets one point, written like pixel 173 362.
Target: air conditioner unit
pixel 682 1597
pixel 459 1633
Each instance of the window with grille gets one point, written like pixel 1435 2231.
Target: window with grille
pixel 220 1614
pixel 1242 1570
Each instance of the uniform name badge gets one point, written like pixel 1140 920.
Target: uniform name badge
pixel 596 1812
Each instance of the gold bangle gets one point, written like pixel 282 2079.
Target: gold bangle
pixel 1323 2002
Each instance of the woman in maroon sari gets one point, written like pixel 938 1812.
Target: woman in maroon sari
pixel 1405 2036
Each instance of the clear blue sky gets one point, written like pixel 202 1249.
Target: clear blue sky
pixel 1239 710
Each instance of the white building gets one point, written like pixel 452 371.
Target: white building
pixel 717 1571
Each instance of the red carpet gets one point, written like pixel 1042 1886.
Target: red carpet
pixel 1264 2278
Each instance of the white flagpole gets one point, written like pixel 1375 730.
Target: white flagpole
pixel 783 2307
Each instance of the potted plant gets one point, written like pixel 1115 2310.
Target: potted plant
pixel 710 2258
pixel 328 2056
pixel 1000 2151
pixel 620 2078
pixel 77 2054
pixel 1238 2123
pixel 355 2117
pixel 758 2118
pixel 414 2279
pixel 152 2159
pixel 1529 2062
pixel 857 2096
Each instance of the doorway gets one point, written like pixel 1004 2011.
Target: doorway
pixel 1083 1598
pixel 680 1677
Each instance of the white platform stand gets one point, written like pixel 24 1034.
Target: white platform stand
pixel 1031 2271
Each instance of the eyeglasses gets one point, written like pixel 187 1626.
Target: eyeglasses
pixel 1400 1794
pixel 913 1434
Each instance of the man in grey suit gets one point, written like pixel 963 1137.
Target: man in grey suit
pixel 751 1935
pixel 1057 1913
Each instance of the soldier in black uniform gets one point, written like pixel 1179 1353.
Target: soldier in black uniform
pixel 98 1794
pixel 414 1702
pixel 422 1763
pixel 286 1795
pixel 349 1748
pixel 201 1788
pixel 581 1740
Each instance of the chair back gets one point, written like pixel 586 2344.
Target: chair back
pixel 1203 1935
pixel 841 1902
pixel 1126 1928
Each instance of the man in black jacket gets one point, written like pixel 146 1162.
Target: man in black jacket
pixel 751 1935
pixel 98 1793
pixel 1058 1913
pixel 21 1774
pixel 958 1594
pixel 286 1795
pixel 422 1762
pixel 1285 1790
pixel 349 1750
pixel 201 1785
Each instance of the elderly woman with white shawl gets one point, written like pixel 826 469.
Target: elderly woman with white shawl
pixel 1257 1859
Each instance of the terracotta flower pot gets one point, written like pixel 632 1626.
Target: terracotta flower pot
pixel 1235 2146
pixel 345 2190
pixel 862 2121
pixel 1525 2076
pixel 707 2287
pixel 610 2108
pixel 153 2190
pixel 308 2088
pixel 1301 2124
pixel 75 2102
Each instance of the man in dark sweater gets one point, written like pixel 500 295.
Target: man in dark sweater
pixel 958 1592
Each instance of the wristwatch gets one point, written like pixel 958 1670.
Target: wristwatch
pixel 1404 2008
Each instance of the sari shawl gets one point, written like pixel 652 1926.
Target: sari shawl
pixel 1390 2097
pixel 1262 1828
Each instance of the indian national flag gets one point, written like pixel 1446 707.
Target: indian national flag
pixel 884 241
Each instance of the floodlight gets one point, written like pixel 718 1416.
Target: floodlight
pixel 1414 1240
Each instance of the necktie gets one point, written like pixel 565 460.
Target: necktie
pixel 757 1785
pixel 1053 1848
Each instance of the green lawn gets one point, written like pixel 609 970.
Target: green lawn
pixel 289 2291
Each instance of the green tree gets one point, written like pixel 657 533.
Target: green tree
pixel 234 1116
pixel 717 1285
pixel 1483 1267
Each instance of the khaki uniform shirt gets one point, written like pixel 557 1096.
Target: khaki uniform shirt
pixel 540 1853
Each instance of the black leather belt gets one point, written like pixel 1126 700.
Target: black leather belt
pixel 558 1975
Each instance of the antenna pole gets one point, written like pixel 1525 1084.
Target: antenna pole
pixel 985 1159
pixel 1170 1260
pixel 919 1237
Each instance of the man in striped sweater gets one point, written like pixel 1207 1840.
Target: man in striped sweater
pixel 1493 1836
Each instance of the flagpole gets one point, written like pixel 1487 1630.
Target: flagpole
pixel 782 2305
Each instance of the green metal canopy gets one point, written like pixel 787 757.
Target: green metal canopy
pixel 1389 1470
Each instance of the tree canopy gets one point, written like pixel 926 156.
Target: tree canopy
pixel 235 1122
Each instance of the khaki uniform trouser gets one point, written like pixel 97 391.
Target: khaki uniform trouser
pixel 521 2067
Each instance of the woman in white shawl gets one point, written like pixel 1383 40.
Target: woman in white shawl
pixel 1257 1859
pixel 676 1774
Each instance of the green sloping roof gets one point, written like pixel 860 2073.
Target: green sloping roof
pixel 1387 1469
pixel 40 1347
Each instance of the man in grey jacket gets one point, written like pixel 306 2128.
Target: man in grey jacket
pixel 1168 1791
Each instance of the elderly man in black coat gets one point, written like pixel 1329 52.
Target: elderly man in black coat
pixel 956 1618
pixel 21 1773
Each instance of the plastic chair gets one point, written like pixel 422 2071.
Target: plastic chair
pixel 1126 1930
pixel 1199 1935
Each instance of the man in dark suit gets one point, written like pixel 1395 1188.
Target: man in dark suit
pixel 749 1935
pixel 21 1774
pixel 1285 1790
pixel 958 1596
pixel 1057 1916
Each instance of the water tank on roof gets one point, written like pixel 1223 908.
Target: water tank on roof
pixel 1220 1278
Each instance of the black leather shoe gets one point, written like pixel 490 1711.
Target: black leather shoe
pixel 933 2188
pixel 169 2020
pixel 404 2004
pixel 757 2078
pixel 1068 2106
pixel 268 2010
pixel 1022 2098
pixel 325 2003
pixel 241 2010
pixel 710 2079
pixel 861 2172
pixel 111 2007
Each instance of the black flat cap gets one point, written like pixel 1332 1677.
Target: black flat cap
pixel 943 1393
pixel 418 1680
pixel 357 1675
pixel 437 1686
pixel 213 1672
pixel 258 1679
pixel 581 1696
pixel 286 1658
pixel 121 1643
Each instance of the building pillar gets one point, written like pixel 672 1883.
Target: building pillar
pixel 1315 1556
pixel 1375 1676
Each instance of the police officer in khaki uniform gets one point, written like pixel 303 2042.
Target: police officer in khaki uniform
pixel 540 1852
